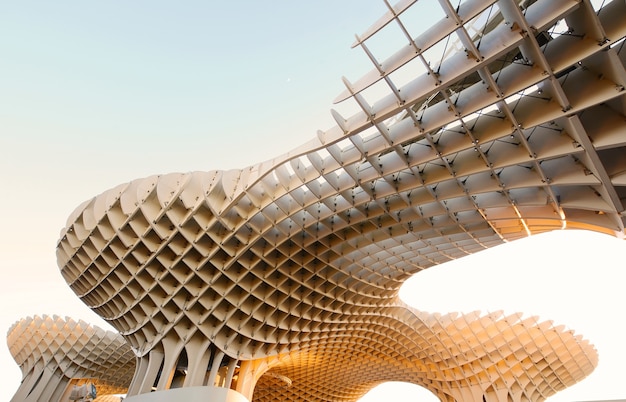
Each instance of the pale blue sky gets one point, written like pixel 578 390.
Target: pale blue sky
pixel 94 94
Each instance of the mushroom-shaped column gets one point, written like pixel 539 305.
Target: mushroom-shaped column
pixel 55 354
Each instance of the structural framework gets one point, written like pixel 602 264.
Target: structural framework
pixel 280 280
pixel 55 354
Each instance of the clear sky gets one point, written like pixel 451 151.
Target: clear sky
pixel 94 94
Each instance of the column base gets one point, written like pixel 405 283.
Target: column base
pixel 190 394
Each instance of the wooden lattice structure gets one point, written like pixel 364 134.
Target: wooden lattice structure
pixel 284 275
pixel 55 354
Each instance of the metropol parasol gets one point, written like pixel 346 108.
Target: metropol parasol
pixel 279 281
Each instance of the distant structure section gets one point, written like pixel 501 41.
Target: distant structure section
pixel 280 281
pixel 457 357
pixel 55 354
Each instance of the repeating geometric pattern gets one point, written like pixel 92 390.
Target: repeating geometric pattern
pixel 457 357
pixel 516 126
pixel 55 354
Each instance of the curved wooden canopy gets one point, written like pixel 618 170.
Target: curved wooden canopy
pixel 291 267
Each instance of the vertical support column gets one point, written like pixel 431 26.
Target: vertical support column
pixel 217 361
pixel 56 380
pixel 40 386
pixel 155 359
pixel 198 358
pixel 249 373
pixel 27 384
pixel 64 387
pixel 230 373
pixel 140 372
pixel 172 346
pixel 65 396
